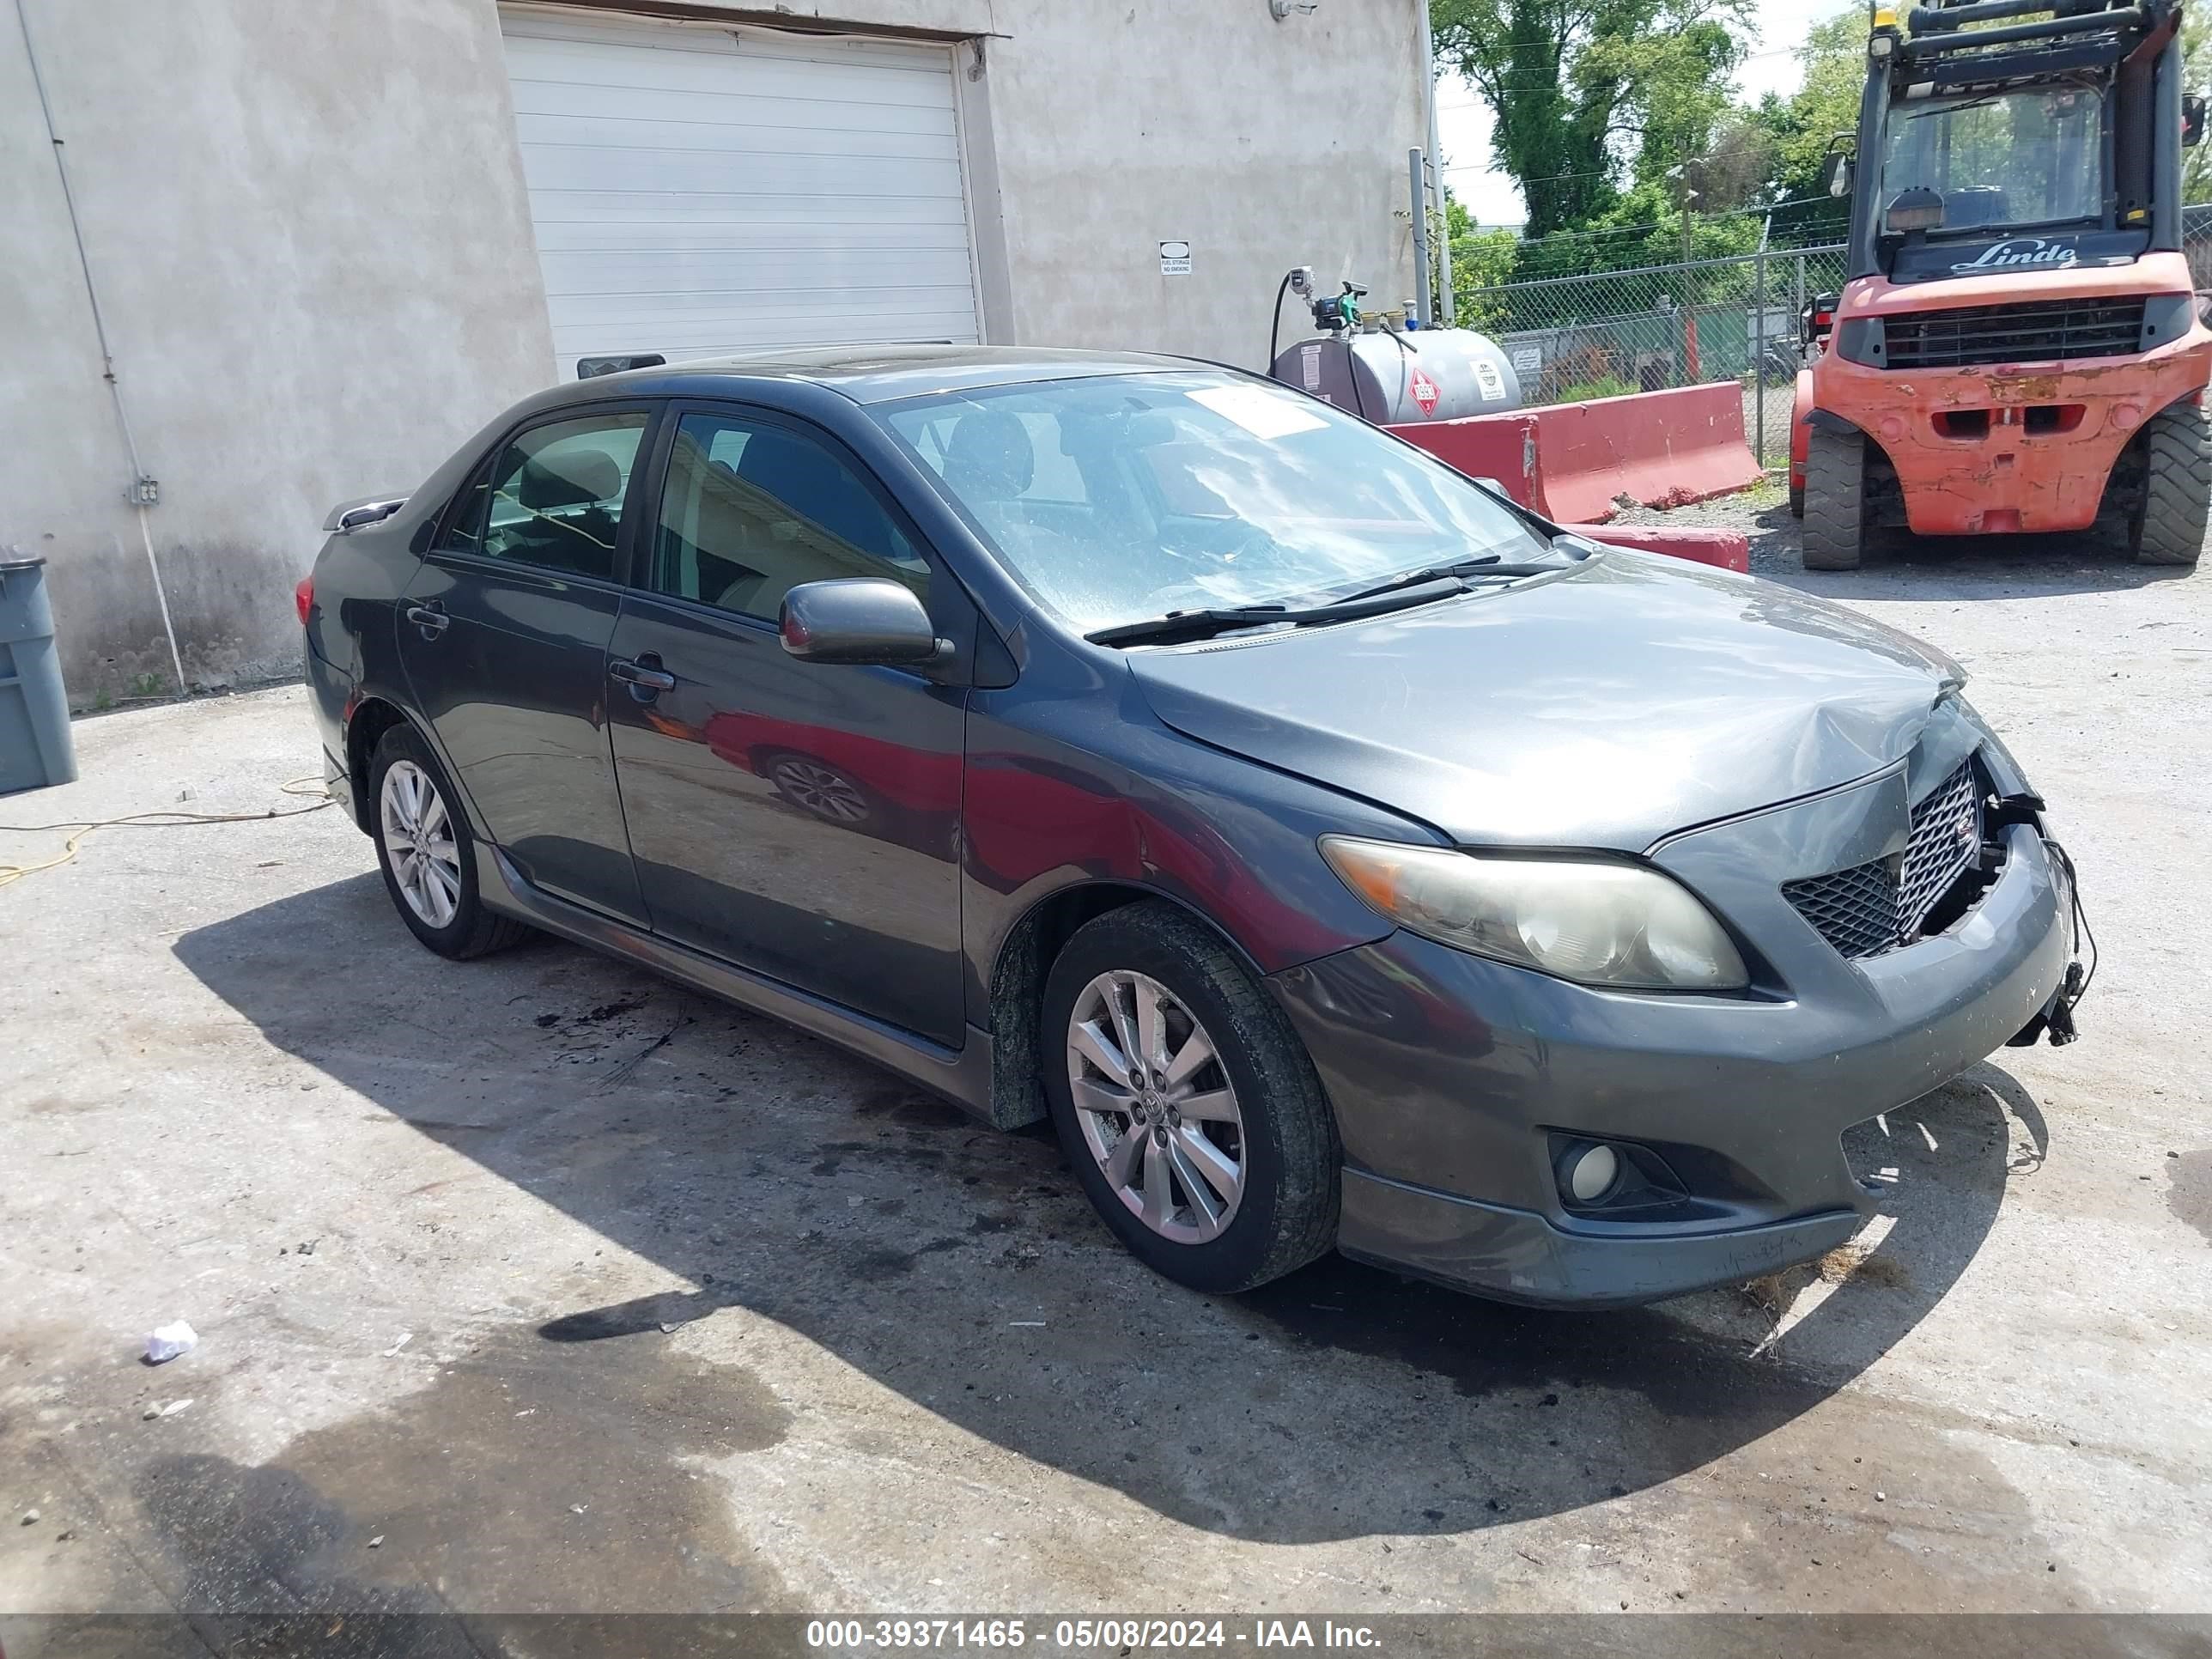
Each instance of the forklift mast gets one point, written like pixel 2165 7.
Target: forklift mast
pixel 2112 69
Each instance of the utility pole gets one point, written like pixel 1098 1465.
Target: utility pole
pixel 1691 371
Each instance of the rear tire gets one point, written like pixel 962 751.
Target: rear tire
pixel 426 854
pixel 2167 526
pixel 1835 500
pixel 1796 501
pixel 1254 1194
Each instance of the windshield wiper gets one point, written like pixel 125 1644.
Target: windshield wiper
pixel 1179 625
pixel 1488 564
pixel 1401 593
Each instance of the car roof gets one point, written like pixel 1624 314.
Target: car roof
pixel 879 373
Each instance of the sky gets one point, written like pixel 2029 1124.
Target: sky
pixel 1463 121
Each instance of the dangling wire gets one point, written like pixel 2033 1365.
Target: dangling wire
pixel 79 829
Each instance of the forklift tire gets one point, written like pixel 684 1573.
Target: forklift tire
pixel 1835 500
pixel 1796 501
pixel 2167 526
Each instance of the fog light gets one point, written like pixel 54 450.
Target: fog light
pixel 1587 1173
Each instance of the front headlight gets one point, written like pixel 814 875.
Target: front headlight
pixel 1594 921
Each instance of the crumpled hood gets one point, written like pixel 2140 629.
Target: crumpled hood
pixel 1630 697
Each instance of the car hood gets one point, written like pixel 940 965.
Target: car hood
pixel 1609 706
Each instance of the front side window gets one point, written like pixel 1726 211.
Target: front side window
pixel 554 496
pixel 1123 497
pixel 2006 160
pixel 752 509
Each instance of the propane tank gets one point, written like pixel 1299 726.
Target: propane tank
pixel 1389 378
pixel 1402 379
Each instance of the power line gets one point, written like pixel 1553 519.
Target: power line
pixel 1530 244
pixel 1539 73
pixel 1556 178
pixel 1555 40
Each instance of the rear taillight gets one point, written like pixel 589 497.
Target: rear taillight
pixel 303 598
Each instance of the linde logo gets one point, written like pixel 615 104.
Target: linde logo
pixel 2019 251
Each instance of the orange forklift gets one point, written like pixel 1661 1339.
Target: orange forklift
pixel 2017 345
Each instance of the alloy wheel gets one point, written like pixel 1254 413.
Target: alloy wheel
pixel 1156 1108
pixel 820 789
pixel 418 839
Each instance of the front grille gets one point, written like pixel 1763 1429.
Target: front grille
pixel 2013 334
pixel 1855 910
pixel 1881 905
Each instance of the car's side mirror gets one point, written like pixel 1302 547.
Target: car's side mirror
pixel 2192 119
pixel 1836 173
pixel 861 619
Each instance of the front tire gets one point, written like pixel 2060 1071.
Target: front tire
pixel 426 854
pixel 2167 526
pixel 1835 500
pixel 1185 1103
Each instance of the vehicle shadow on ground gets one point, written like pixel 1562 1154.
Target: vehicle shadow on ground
pixel 962 1268
pixel 1902 566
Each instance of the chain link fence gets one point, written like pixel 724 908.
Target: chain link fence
pixel 1615 332
pixel 1739 318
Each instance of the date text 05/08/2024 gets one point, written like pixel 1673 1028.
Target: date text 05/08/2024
pixel 1117 1635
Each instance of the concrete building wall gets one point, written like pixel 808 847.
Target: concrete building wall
pixel 311 242
pixel 307 228
pixel 1264 144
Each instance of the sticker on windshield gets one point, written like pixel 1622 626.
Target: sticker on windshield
pixel 1260 412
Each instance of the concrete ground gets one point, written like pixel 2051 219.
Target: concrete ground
pixel 537 1283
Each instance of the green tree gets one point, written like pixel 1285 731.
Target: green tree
pixel 1800 128
pixel 1482 262
pixel 2197 77
pixel 1585 91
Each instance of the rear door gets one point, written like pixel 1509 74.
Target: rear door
pixel 800 819
pixel 503 632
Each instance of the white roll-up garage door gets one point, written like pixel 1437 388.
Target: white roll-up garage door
pixel 698 190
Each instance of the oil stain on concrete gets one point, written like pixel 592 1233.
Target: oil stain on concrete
pixel 529 1477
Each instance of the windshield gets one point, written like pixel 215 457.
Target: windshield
pixel 1123 497
pixel 2012 158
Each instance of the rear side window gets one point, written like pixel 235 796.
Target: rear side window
pixel 554 496
pixel 752 509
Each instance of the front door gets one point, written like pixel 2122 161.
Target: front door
pixel 503 632
pixel 800 819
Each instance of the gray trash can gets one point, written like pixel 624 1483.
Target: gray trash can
pixel 35 748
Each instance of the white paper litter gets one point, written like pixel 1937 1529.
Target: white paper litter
pixel 170 1340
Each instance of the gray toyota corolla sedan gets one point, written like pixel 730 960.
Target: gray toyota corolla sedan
pixel 1337 854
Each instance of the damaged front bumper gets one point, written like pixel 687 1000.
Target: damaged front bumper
pixel 1457 1080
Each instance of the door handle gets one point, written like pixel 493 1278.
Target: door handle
pixel 430 618
pixel 645 682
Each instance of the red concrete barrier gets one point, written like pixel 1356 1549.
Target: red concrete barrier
pixel 1730 550
pixel 1569 461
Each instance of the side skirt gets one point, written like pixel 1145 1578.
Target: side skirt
pixel 962 1076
